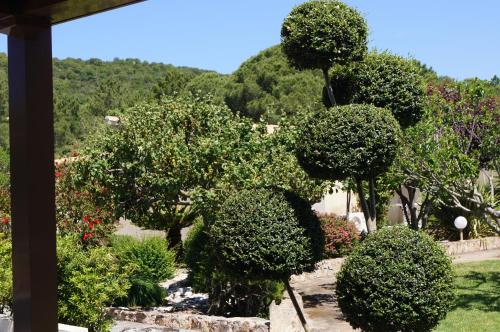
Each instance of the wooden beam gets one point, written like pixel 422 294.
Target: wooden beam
pixel 32 177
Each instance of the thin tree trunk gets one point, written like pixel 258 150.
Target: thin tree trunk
pixel 296 306
pixel 348 204
pixel 370 225
pixel 329 89
pixel 373 201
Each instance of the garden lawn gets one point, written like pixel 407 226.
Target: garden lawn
pixel 477 306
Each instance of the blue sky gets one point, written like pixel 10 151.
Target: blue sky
pixel 457 38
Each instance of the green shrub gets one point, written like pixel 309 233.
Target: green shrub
pixel 318 34
pixel 398 279
pixel 198 257
pixel 228 295
pixel 265 233
pixel 82 209
pixel 383 80
pixel 5 273
pixel 89 280
pixel 151 262
pixel 341 236
pixel 356 141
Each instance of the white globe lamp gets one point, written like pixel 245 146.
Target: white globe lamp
pixel 460 223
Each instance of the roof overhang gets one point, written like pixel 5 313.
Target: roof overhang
pixel 53 11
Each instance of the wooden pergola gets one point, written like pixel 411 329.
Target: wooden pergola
pixel 28 26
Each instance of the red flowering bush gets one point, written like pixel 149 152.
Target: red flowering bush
pixel 5 210
pixel 340 235
pixel 81 209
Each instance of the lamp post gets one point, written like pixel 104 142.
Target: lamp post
pixel 460 223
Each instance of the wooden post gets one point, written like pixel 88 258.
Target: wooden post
pixel 32 176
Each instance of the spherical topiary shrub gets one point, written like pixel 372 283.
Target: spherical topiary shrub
pixel 317 34
pixel 263 233
pixel 398 279
pixel 356 141
pixel 384 80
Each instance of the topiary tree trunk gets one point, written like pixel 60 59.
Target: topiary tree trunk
pixel 329 89
pixel 368 206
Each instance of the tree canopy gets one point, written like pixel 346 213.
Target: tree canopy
pixel 384 80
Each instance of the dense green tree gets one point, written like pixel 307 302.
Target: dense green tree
pixel 321 33
pixel 199 153
pixel 354 141
pixel 267 233
pixel 384 80
pixel 209 84
pixel 444 154
pixel 267 87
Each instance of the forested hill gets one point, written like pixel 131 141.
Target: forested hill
pixel 264 87
pixel 86 91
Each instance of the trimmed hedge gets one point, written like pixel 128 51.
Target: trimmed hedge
pixel 266 233
pixel 398 279
pixel 318 34
pixel 348 141
pixel 228 295
pixel 383 80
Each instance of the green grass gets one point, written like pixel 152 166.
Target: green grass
pixel 477 307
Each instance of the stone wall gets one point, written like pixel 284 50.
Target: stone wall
pixel 324 268
pixel 191 321
pixel 462 247
pixel 283 316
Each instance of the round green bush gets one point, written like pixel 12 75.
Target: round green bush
pixel 348 141
pixel 384 80
pixel 266 233
pixel 398 279
pixel 228 295
pixel 318 34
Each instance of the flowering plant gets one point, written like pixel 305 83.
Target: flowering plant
pixel 79 210
pixel 340 235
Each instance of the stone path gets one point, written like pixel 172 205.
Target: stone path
pixel 320 305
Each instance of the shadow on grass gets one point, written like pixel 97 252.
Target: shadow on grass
pixel 479 290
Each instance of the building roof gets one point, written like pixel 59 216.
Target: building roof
pixel 53 11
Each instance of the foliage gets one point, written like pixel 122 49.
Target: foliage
pixel 86 91
pixel 4 168
pixel 201 151
pixel 383 80
pixel 81 210
pixel 262 233
pixel 150 255
pixel 341 236
pixel 444 154
pixel 267 87
pixel 477 305
pixel 152 262
pixel 355 141
pixel 5 273
pixel 228 295
pixel 377 292
pixel 89 280
pixel 318 34
pixel 209 84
